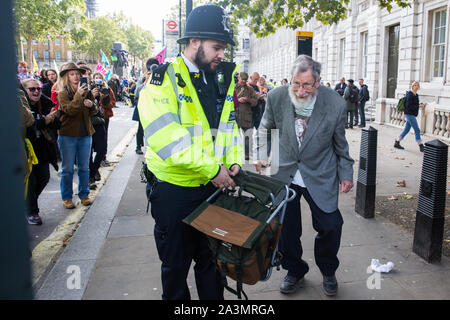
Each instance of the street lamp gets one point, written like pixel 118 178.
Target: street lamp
pixel 232 32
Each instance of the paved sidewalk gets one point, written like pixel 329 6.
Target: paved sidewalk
pixel 118 258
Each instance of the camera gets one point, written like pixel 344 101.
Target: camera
pixel 98 83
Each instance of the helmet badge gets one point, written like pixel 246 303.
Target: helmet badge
pixel 226 23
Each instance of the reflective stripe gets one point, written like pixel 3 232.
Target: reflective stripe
pixel 226 127
pixel 220 151
pixel 160 123
pixel 195 131
pixel 175 146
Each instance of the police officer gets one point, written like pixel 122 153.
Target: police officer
pixel 193 148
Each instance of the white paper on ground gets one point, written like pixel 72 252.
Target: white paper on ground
pixel 378 267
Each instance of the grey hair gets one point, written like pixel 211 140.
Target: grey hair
pixel 304 63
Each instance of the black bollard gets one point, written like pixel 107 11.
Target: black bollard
pixel 366 185
pixel 430 215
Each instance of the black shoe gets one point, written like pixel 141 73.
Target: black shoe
pixel 92 185
pixel 105 163
pixel 421 147
pixel 397 145
pixel 330 285
pixel 34 220
pixel 97 177
pixel 360 126
pixel 139 151
pixel 290 284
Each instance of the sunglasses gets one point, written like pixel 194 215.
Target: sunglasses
pixel 33 89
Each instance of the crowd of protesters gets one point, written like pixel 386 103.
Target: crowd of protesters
pixel 65 120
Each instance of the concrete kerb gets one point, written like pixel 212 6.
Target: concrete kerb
pixel 49 250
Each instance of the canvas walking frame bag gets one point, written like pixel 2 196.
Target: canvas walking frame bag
pixel 243 228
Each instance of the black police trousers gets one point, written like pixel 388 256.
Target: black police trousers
pixel 327 242
pixel 178 243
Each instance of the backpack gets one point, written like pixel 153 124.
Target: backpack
pixel 353 94
pixel 367 93
pixel 242 230
pixel 401 104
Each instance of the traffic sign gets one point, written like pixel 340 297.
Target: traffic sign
pixel 171 28
pixel 172 25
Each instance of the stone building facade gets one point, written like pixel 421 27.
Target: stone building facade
pixel 389 50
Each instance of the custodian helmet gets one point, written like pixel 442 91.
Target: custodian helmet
pixel 208 22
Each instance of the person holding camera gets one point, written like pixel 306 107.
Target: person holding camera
pixel 76 105
pixel 106 100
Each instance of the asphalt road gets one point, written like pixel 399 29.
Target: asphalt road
pixel 52 211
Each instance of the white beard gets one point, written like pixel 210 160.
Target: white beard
pixel 301 104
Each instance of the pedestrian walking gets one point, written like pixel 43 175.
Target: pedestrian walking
pixel 184 103
pixel 314 160
pixel 412 106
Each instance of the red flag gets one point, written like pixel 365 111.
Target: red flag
pixel 161 56
pixel 101 69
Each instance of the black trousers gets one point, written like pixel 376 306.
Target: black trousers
pixel 362 114
pixel 178 243
pixel 350 117
pixel 140 137
pixel 99 147
pixel 327 242
pixel 106 129
pixel 39 177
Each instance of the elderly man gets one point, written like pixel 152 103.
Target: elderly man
pixel 314 159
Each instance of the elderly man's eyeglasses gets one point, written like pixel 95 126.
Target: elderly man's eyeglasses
pixel 33 89
pixel 305 86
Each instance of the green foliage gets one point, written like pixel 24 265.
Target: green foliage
pixel 41 19
pixel 266 16
pixel 103 32
pixel 140 42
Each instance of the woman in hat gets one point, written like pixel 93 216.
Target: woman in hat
pixel 77 104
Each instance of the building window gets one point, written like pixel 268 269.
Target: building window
pixel 246 63
pixel 57 42
pixel 69 55
pixel 438 43
pixel 58 55
pixel 35 42
pixel 245 44
pixel 36 55
pixel 25 54
pixel 364 55
pixel 363 6
pixel 46 55
pixel 341 58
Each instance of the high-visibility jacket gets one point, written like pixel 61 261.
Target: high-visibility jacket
pixel 180 148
